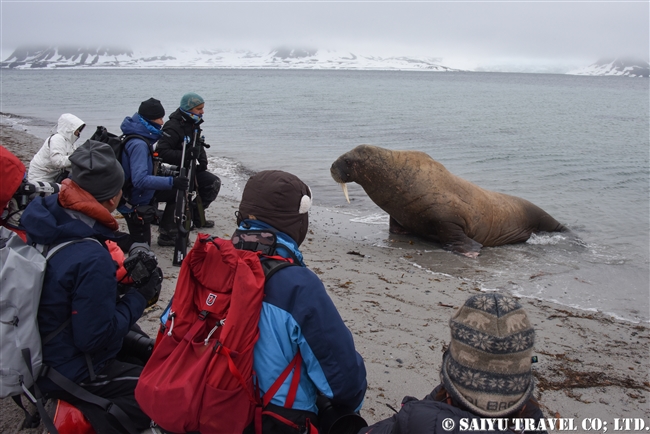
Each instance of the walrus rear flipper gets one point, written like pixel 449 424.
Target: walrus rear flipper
pixel 454 239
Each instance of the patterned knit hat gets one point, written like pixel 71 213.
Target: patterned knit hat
pixel 487 367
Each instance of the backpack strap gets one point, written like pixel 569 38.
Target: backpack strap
pixel 272 265
pixel 49 250
pixel 81 393
pixel 296 363
pixel 37 398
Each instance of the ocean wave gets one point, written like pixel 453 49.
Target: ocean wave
pixel 546 239
pixel 372 219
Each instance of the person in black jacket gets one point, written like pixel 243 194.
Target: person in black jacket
pixel 486 374
pixel 179 131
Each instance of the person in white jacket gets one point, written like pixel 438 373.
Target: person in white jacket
pixel 52 159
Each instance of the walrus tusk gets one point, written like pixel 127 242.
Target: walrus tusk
pixel 344 186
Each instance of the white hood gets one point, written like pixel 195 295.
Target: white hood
pixel 67 125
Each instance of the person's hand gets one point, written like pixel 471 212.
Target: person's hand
pixel 181 183
pixel 194 152
pixel 151 290
pixel 202 142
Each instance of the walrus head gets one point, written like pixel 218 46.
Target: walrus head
pixel 344 169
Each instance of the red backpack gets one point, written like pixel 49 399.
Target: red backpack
pixel 200 375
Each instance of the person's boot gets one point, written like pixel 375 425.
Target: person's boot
pixel 167 231
pixel 207 224
pixel 196 219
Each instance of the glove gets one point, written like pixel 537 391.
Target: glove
pixel 202 142
pixel 181 183
pixel 151 290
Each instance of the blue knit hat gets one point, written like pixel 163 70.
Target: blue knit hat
pixel 191 100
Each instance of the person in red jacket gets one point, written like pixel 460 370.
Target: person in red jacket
pixel 12 173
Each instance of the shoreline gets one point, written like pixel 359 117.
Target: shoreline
pixel 553 267
pixel 591 365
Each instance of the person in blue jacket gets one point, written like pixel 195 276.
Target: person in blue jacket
pixel 142 184
pixel 299 321
pixel 80 291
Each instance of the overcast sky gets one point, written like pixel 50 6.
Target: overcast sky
pixel 539 31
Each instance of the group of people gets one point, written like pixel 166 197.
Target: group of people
pixel 486 370
pixel 148 137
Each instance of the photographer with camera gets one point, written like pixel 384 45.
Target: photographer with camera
pixel 143 186
pixel 16 192
pixel 179 133
pixel 81 306
pixel 52 163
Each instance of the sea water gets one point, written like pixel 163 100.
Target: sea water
pixel 578 147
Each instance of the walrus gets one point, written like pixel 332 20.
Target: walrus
pixel 425 199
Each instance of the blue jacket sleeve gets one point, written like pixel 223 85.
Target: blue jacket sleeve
pixel 97 319
pixel 141 167
pixel 326 344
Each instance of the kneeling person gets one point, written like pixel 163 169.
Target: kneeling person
pixel 142 186
pixel 299 321
pixel 179 133
pixel 79 301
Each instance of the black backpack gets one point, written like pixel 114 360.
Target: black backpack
pixel 116 142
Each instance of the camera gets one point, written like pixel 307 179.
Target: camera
pixel 337 420
pixel 29 190
pixel 167 170
pixel 138 345
pixel 164 169
pixel 140 264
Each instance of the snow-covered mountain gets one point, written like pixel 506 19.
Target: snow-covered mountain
pixel 621 66
pixel 282 58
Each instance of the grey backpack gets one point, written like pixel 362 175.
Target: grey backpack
pixel 22 269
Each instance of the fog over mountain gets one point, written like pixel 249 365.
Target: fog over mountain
pixel 45 57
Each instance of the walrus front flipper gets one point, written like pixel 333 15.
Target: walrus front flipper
pixel 395 228
pixel 454 239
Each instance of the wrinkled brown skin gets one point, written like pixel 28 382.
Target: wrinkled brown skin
pixel 425 199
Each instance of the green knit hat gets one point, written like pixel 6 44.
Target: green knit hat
pixel 487 367
pixel 191 100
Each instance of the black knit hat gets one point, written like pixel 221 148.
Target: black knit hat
pixel 96 170
pixel 279 199
pixel 151 109
pixel 487 367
